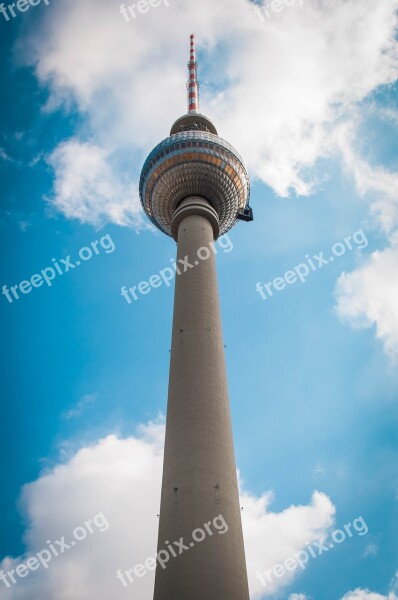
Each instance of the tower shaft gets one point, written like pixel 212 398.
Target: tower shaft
pixel 199 473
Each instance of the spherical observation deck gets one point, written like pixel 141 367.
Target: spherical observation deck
pixel 193 162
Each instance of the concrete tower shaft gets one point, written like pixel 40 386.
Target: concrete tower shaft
pixel 194 187
pixel 199 474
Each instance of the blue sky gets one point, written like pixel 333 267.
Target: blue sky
pixel 312 370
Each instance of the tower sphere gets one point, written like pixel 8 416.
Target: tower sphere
pixel 194 161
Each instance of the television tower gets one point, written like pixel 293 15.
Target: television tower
pixel 194 187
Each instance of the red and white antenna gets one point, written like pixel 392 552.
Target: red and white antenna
pixel 193 86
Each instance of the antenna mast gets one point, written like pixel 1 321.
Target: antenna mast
pixel 192 85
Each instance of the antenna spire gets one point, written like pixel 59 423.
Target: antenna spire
pixel 193 86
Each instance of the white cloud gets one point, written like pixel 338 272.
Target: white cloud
pixel 117 477
pixel 4 156
pixel 374 180
pixel 359 594
pixel 369 297
pixel 271 538
pixel 77 410
pixel 371 549
pixel 394 583
pixel 87 188
pixel 24 224
pixel 297 597
pixel 309 72
pixel 285 81
pixel 319 469
pixel 120 478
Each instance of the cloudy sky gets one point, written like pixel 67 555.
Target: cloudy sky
pixel 307 92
